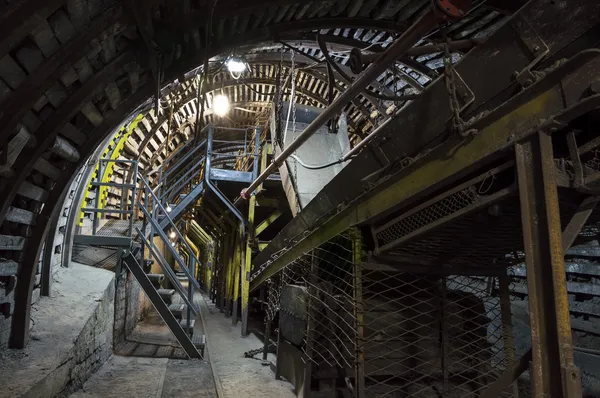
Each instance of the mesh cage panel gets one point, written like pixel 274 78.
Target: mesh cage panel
pixel 383 332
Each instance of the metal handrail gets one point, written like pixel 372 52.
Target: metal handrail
pixel 183 159
pixel 165 239
pixel 189 175
pixel 161 232
pixel 170 274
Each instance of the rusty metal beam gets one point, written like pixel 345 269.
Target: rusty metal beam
pixel 508 377
pixel 553 373
pixel 498 131
pixel 395 50
pixel 577 222
pixel 569 235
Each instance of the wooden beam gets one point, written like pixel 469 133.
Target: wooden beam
pixel 23 98
pixel 52 126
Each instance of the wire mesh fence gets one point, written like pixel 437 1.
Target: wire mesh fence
pixel 383 332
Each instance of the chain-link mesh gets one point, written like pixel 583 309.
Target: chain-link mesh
pixel 438 210
pixel 391 333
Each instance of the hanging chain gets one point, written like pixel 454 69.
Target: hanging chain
pixel 458 125
pixel 293 77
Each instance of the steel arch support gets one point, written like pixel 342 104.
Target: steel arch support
pixel 21 318
pixel 553 373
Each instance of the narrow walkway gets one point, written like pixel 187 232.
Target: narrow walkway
pixel 134 377
pixel 239 376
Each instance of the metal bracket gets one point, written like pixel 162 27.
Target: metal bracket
pixel 464 93
pixel 539 49
pixel 579 182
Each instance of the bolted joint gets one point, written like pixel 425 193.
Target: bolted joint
pixel 452 9
pixel 245 194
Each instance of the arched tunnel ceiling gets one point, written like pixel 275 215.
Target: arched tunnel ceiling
pixel 72 72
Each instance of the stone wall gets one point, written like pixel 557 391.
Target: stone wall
pixel 131 305
pixel 7 305
pixel 71 337
pixel 94 344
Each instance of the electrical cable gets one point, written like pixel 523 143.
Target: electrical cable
pixel 321 166
pixel 349 80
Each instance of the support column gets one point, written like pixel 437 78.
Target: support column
pixel 553 373
pixel 357 258
pixel 237 269
pixel 246 264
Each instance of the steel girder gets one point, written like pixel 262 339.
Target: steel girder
pixel 540 107
pixel 423 122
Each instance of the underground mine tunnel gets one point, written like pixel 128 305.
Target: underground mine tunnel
pixel 319 198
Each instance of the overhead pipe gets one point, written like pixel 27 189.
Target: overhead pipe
pixel 439 11
pixel 358 58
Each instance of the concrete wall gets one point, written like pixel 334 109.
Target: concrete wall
pixel 321 148
pixel 131 305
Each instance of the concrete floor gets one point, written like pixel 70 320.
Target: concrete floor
pixel 135 377
pixel 238 376
pixel 235 377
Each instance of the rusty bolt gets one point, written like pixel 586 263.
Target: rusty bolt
pixel 536 48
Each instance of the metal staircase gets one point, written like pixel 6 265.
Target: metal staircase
pixel 133 238
pixel 149 213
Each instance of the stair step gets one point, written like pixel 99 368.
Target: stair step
pixel 183 324
pixel 177 310
pixel 156 279
pixel 157 298
pixel 199 340
pixel 166 295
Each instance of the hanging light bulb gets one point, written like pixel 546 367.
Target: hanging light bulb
pixel 220 105
pixel 235 65
pixel 169 209
pixel 172 234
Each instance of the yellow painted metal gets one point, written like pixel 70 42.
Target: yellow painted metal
pixel 201 237
pixel 230 251
pixel 246 266
pixel 262 245
pixel 447 162
pixel 268 221
pixel 357 259
pixel 113 151
pixel 196 253
pixel 237 268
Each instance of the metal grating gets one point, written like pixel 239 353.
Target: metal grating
pixel 490 238
pixel 436 211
